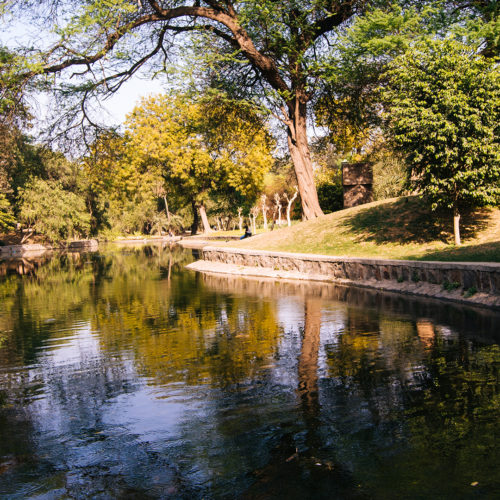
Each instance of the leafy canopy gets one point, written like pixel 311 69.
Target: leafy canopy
pixel 7 220
pixel 443 112
pixel 273 47
pixel 210 145
pixel 350 104
pixel 123 192
pixel 52 211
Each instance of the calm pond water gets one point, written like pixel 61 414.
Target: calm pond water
pixel 123 375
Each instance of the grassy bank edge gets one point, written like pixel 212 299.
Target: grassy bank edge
pixel 399 228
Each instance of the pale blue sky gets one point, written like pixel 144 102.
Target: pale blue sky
pixel 122 103
pixel 115 108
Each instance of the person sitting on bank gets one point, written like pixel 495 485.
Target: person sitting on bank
pixel 247 234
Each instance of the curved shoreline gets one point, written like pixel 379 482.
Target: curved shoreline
pixel 468 283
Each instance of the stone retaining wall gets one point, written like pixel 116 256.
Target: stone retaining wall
pixel 476 277
pixel 83 245
pixel 20 250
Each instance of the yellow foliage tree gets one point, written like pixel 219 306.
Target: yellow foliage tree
pixel 213 146
pixel 120 185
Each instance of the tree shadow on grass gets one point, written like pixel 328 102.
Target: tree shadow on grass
pixel 483 252
pixel 410 220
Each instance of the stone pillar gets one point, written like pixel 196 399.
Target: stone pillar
pixel 357 182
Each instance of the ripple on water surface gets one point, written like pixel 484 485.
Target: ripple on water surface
pixel 122 375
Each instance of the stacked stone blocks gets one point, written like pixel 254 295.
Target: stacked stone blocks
pixel 482 277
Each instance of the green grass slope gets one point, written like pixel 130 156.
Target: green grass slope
pixel 399 228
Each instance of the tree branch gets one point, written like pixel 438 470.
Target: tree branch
pixel 205 27
pixel 111 41
pixel 343 12
pixel 126 74
pixel 264 63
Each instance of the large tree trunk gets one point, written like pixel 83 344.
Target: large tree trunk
pixel 204 220
pixel 196 219
pixel 301 156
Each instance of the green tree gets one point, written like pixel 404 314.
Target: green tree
pixel 125 194
pixel 389 173
pixel 275 50
pixel 278 48
pixel 48 209
pixel 328 156
pixel 478 22
pixel 120 191
pixel 443 112
pixel 7 220
pixel 330 191
pixel 349 104
pixel 14 110
pixel 14 116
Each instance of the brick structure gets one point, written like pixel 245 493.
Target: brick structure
pixel 357 181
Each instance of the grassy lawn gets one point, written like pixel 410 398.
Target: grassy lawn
pixel 400 228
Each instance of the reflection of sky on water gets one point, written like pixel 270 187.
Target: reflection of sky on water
pixel 76 344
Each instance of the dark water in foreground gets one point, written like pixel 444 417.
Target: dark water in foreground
pixel 122 375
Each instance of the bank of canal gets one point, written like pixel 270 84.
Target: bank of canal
pixel 470 283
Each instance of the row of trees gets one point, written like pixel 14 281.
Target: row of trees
pixel 281 55
pixel 415 78
pixel 178 156
pixel 210 150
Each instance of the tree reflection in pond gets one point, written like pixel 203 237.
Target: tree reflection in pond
pixel 308 359
pixel 426 400
pixel 123 375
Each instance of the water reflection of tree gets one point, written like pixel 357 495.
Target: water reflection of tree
pixel 454 413
pixel 431 396
pixel 399 381
pixel 63 289
pixel 481 324
pixel 298 467
pixel 308 359
pixel 433 401
pixel 64 442
pixel 179 331
pixel 67 396
pixel 382 395
pixel 139 299
pixel 53 296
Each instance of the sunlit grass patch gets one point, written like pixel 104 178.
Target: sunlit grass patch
pixel 402 228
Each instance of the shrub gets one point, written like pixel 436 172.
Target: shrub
pixel 53 212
